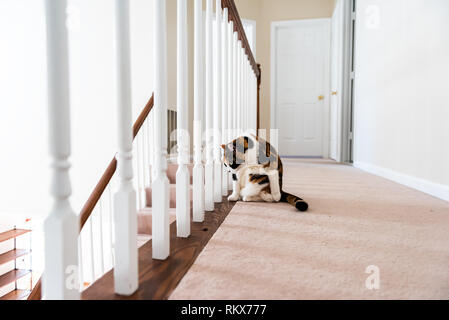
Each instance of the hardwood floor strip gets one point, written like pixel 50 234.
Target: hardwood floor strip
pixel 158 279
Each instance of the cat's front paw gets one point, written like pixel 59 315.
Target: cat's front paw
pixel 233 198
pixel 276 196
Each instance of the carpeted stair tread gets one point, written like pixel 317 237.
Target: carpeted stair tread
pixel 149 196
pixel 145 220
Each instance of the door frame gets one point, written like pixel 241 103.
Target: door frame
pixel 349 78
pixel 326 111
pixel 345 118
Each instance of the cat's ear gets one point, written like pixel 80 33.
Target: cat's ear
pixel 223 146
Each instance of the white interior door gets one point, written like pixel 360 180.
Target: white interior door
pixel 301 51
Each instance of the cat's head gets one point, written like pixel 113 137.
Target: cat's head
pixel 234 153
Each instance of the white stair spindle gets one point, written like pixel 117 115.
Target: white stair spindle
pixel 247 108
pixel 242 95
pixel 240 89
pixel 183 174
pixel 60 277
pixel 146 147
pixel 251 93
pixel 139 172
pixel 209 203
pixel 255 103
pixel 230 89
pixel 81 275
pixel 126 280
pixel 91 247
pixel 242 117
pixel 198 170
pixel 245 88
pixel 218 170
pixel 224 104
pixel 238 86
pixel 248 99
pixel 248 86
pixel 235 85
pixel 160 187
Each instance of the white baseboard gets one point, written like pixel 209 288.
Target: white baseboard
pixel 437 190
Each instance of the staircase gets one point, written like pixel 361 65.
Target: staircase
pixel 9 280
pixel 145 215
pixel 226 102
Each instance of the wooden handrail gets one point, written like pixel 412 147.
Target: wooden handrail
pixel 238 27
pixel 100 187
pixel 110 171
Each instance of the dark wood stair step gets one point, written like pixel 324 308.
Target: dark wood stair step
pixel 12 255
pixel 11 234
pixel 16 295
pixel 12 276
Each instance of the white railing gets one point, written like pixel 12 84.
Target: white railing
pixel 225 96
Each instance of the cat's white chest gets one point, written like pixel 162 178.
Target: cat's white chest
pixel 248 189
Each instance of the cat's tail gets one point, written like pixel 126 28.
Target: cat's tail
pixel 295 201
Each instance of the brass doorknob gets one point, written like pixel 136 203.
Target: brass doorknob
pixel 321 97
pixel 334 93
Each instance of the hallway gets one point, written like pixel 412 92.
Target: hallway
pixel 356 220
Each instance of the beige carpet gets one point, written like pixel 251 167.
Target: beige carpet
pixel 271 251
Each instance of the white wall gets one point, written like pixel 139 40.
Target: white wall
pixel 402 92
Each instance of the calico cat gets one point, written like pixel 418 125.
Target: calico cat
pixel 257 172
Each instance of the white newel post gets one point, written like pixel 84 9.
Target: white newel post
pixel 183 174
pixel 161 227
pixel 198 170
pixel 209 203
pixel 224 104
pixel 125 212
pixel 218 170
pixel 230 88
pixel 60 277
